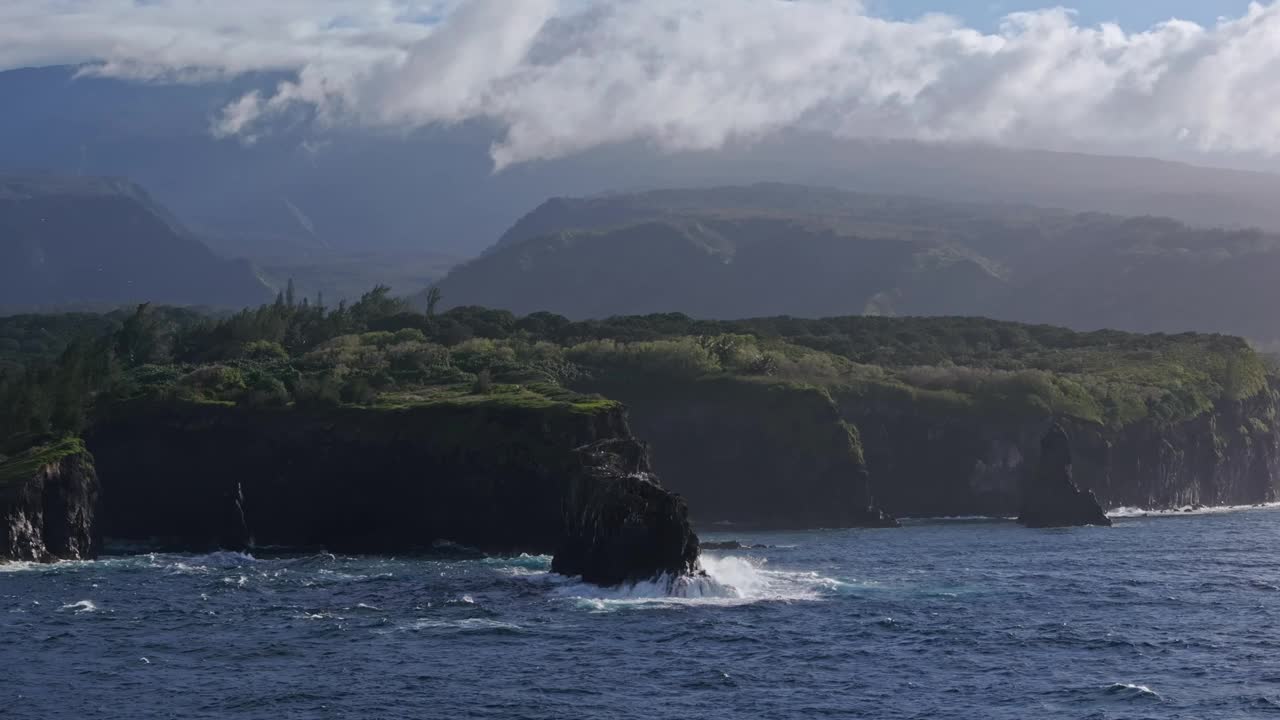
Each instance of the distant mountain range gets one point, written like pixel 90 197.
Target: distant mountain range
pixel 94 242
pixel 772 249
pixel 304 190
pixel 339 209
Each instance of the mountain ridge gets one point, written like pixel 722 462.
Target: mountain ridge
pixel 99 241
pixel 781 249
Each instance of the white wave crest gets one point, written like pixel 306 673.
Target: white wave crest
pixel 729 581
pixel 57 566
pixel 523 561
pixel 1136 512
pixel 1133 690
pixel 83 606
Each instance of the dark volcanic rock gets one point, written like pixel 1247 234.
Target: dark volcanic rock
pixel 751 454
pixel 496 477
pixel 48 497
pixel 1051 498
pixel 977 464
pixel 620 524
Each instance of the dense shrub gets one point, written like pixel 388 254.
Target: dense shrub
pixel 264 390
pixel 682 358
pixel 212 382
pixel 264 350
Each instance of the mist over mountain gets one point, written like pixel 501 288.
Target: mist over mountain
pixel 95 242
pixel 773 249
pixel 308 191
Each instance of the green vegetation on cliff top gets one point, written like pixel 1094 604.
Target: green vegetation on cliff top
pixel 380 354
pixel 26 464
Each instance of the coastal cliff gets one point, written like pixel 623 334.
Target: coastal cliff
pixel 48 498
pixel 758 454
pixel 927 464
pixel 501 477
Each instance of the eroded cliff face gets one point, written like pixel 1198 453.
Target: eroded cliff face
pixel 496 477
pixel 926 465
pixel 48 498
pixel 753 454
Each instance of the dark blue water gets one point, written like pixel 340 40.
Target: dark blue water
pixel 1175 617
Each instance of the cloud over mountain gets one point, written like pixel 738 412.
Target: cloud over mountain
pixel 562 76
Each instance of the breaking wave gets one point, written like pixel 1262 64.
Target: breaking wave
pixel 728 581
pixel 1132 691
pixel 20 566
pixel 1135 512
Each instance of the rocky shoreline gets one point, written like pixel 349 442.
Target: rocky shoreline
pixel 926 464
pixel 574 482
pixel 502 479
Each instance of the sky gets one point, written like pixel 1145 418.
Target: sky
pixel 558 77
pixel 1129 14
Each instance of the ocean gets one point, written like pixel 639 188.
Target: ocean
pixel 1174 616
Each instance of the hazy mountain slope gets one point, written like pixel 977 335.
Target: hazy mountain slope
pixel 1154 275
pixel 776 249
pixel 303 189
pixel 721 261
pixel 93 242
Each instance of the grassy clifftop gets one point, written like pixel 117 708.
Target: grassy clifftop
pixel 26 464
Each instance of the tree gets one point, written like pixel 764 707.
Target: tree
pixel 288 294
pixel 375 305
pixel 433 299
pixel 141 339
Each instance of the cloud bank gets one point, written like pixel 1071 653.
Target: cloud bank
pixel 562 76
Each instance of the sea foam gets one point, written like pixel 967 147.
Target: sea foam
pixel 1133 512
pixel 1133 690
pixel 728 581
pixel 83 606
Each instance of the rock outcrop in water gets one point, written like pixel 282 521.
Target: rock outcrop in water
pixel 753 454
pixel 500 477
pixel 1050 497
pixel 48 497
pixel 618 518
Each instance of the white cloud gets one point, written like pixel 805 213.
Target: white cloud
pixel 561 76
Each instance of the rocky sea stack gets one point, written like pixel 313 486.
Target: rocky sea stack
pixel 620 525
pixel 1050 498
pixel 48 498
